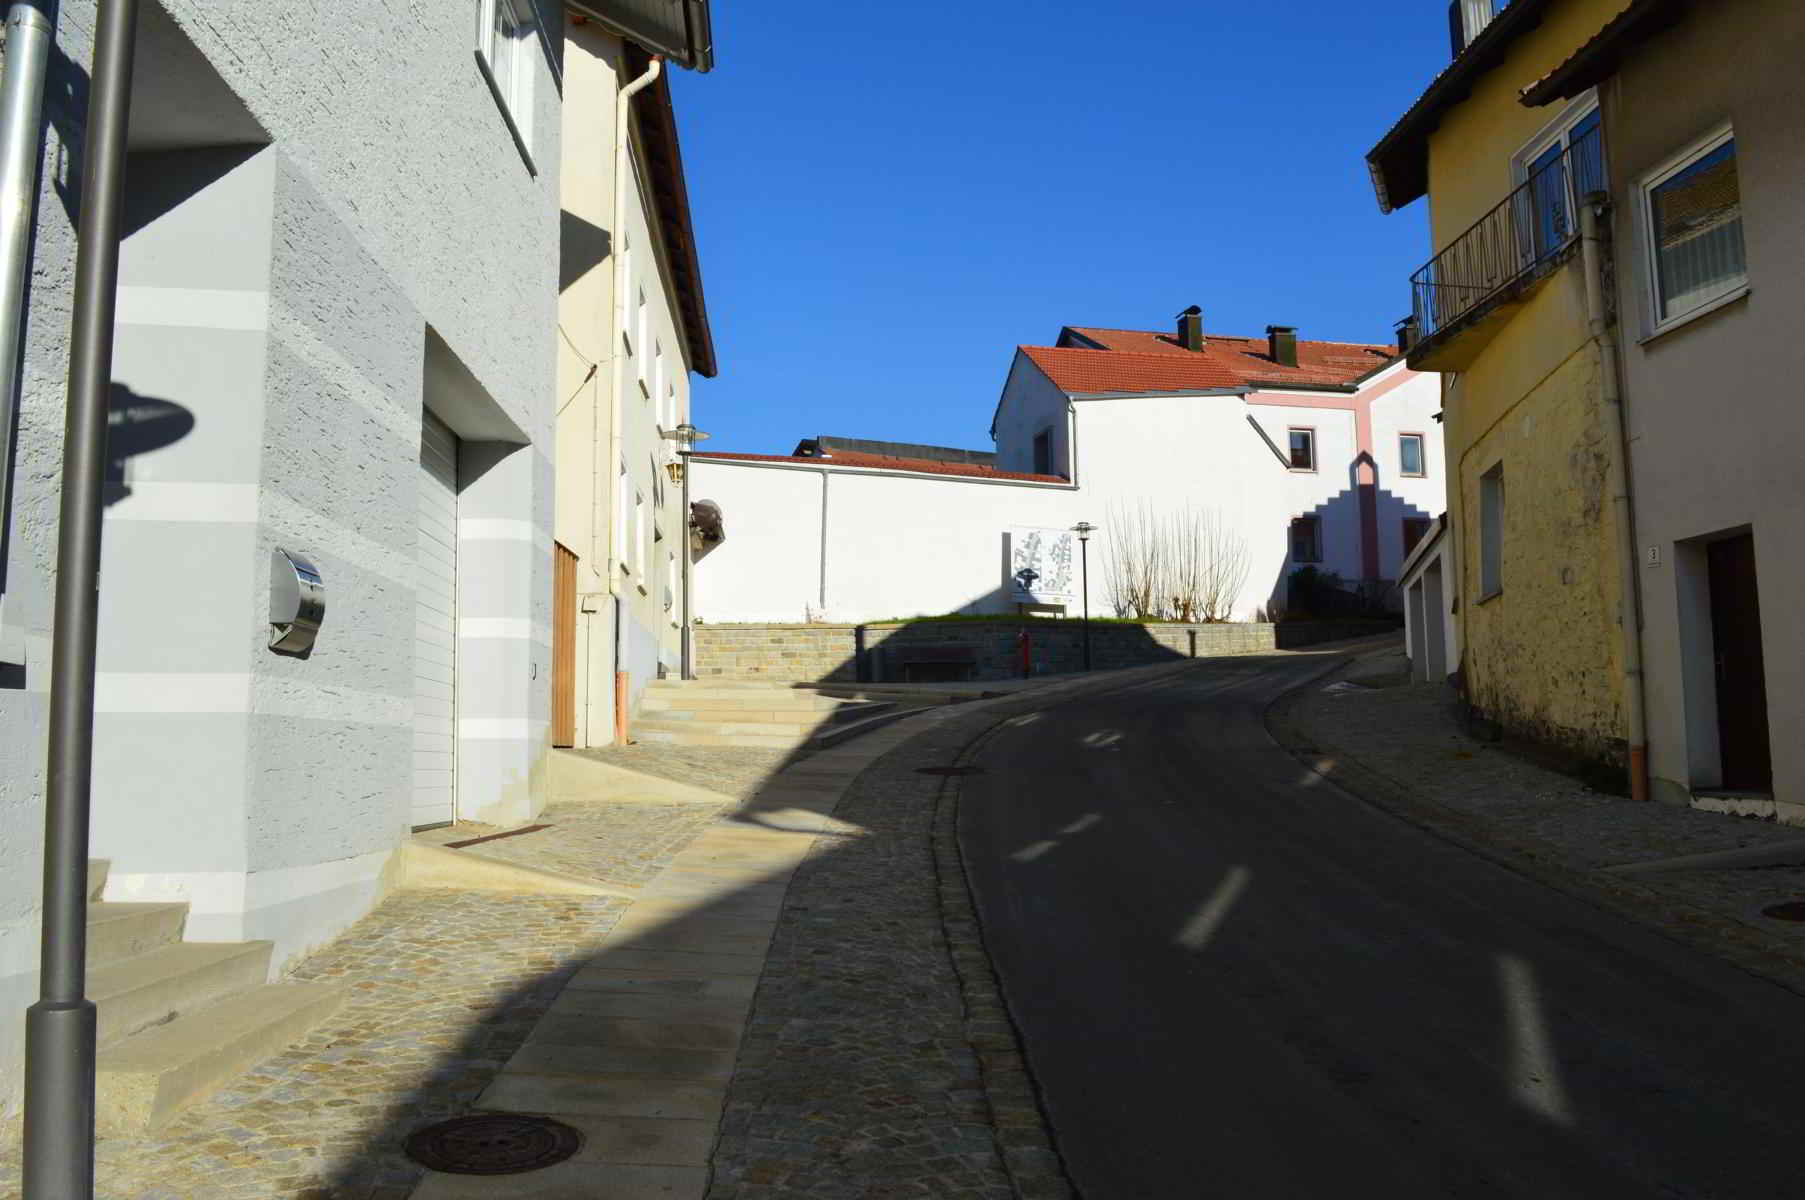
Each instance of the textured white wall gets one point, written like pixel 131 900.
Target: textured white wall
pixel 291 329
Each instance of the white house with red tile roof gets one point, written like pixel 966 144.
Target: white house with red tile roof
pixel 1311 452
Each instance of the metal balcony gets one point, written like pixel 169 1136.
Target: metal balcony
pixel 1516 243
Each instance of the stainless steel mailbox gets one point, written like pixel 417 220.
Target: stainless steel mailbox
pixel 297 602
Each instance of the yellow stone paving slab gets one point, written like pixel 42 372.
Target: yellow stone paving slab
pixel 564 1057
pixel 605 1096
pixel 668 1031
pixel 573 1180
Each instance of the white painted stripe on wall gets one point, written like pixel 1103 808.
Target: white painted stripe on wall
pixel 496 529
pixel 290 520
pixel 501 729
pixel 236 891
pixel 171 692
pixel 323 702
pixel 168 500
pixel 513 629
pixel 293 332
pixel 193 308
pixel 227 694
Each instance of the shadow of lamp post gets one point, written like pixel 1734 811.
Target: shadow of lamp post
pixel 686 436
pixel 1084 529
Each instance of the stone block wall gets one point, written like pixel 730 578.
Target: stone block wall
pixel 824 653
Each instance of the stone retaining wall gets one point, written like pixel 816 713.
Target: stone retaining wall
pixel 814 653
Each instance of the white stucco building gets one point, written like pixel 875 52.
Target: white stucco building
pixel 635 328
pixel 336 338
pixel 1312 453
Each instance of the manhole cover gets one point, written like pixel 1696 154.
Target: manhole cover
pixel 493 1144
pixel 1792 910
pixel 949 770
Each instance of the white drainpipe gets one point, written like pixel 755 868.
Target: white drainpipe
pixel 29 32
pixel 617 240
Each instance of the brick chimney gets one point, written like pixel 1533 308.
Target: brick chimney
pixel 1190 328
pixel 1281 343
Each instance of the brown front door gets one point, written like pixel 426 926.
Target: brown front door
pixel 1741 676
pixel 564 647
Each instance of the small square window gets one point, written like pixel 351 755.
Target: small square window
pixel 1692 227
pixel 1303 449
pixel 1410 455
pixel 1306 540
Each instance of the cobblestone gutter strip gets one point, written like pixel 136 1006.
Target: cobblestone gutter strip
pixel 1542 825
pixel 880 1060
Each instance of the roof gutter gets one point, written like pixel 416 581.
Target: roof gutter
pixel 1603 56
pixel 1400 162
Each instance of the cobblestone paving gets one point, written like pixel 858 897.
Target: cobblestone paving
pixel 616 843
pixel 1402 747
pixel 880 1060
pixel 442 987
pixel 736 771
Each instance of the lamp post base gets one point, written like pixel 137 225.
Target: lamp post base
pixel 59 1116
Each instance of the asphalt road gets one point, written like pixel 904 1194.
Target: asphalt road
pixel 1235 980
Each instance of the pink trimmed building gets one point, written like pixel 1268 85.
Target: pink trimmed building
pixel 1312 453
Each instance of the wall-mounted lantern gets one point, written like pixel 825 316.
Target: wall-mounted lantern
pixel 297 602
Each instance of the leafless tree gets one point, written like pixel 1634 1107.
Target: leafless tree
pixel 1184 565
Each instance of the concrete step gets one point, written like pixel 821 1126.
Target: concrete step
pixel 740 702
pixel 687 737
pixel 146 1080
pixel 173 980
pixel 119 931
pixel 689 686
pixel 97 877
pixel 782 716
pixel 794 729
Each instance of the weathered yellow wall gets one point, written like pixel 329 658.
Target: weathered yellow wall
pixel 1544 656
pixel 1470 154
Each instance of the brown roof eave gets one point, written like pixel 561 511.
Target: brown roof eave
pixel 657 124
pixel 1601 57
pixel 1400 162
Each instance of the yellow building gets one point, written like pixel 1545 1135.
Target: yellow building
pixel 1532 428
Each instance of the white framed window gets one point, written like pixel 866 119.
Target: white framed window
pixel 640 320
pixel 670 590
pixel 505 33
pixel 639 532
pixel 623 489
pixel 1691 227
pixel 658 375
pixel 1302 448
pixel 1558 181
pixel 1411 462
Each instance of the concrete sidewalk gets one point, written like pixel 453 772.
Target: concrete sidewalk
pixel 1399 745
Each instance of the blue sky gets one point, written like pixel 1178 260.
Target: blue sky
pixel 889 199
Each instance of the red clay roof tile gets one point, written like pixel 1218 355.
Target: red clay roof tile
pixel 1137 360
pixel 886 462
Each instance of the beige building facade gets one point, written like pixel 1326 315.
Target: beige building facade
pixel 633 331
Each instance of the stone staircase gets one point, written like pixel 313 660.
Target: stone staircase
pixel 749 713
pixel 180 1020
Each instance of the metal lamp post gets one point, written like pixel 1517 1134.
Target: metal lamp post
pixel 1084 529
pixel 686 436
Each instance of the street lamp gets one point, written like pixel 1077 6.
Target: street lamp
pixel 686 436
pixel 1084 529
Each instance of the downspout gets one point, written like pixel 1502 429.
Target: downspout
pixel 30 30
pixel 623 164
pixel 623 168
pixel 822 598
pixel 60 1027
pixel 1593 209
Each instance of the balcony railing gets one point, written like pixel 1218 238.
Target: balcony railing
pixel 1524 237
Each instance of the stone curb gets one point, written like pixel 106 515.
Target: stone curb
pixel 1687 924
